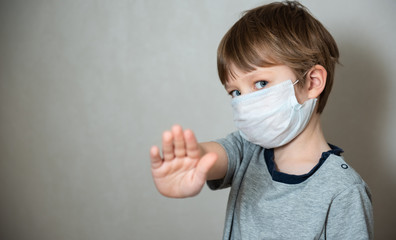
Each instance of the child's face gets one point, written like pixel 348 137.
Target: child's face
pixel 264 77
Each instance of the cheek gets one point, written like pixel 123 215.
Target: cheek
pixel 301 94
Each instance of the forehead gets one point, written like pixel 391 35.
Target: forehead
pixel 238 75
pixel 278 71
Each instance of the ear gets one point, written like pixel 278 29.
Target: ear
pixel 316 81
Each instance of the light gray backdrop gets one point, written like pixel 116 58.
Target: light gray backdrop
pixel 86 87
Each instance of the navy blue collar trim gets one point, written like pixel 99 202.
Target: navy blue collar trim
pixel 296 179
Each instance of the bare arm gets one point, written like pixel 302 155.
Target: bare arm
pixel 185 165
pixel 219 169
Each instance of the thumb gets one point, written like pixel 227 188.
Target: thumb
pixel 204 165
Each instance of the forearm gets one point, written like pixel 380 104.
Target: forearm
pixel 219 169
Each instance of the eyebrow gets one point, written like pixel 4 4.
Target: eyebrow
pixel 267 72
pixel 227 87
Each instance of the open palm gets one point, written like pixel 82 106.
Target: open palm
pixel 182 171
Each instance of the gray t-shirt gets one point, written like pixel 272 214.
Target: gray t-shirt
pixel 331 202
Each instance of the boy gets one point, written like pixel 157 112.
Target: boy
pixel 277 62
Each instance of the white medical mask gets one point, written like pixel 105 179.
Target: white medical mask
pixel 271 117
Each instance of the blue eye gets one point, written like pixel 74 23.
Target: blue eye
pixel 235 93
pixel 260 84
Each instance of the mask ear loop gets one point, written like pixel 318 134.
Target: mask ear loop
pixel 297 81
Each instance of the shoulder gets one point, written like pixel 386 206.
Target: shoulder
pixel 339 176
pixel 235 142
pixel 339 169
pixel 350 214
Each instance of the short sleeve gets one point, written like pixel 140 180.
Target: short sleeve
pixel 350 215
pixel 233 145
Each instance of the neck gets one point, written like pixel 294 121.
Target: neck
pixel 301 154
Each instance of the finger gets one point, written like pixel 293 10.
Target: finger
pixel 192 147
pixel 204 165
pixel 178 141
pixel 156 160
pixel 167 146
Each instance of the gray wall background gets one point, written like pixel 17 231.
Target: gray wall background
pixel 86 87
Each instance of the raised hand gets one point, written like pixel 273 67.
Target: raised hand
pixel 182 171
